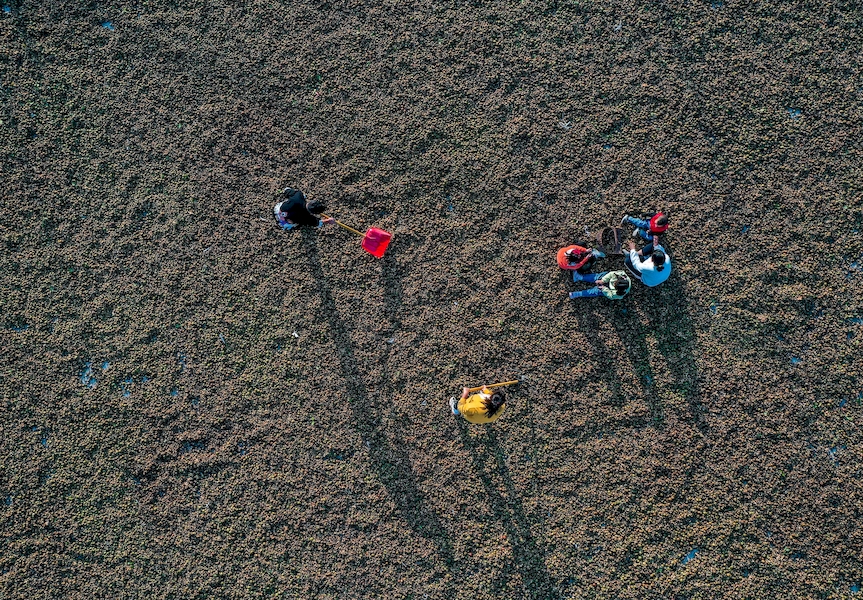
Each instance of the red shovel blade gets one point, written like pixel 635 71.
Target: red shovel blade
pixel 376 241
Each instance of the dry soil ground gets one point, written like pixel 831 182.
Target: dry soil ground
pixel 196 404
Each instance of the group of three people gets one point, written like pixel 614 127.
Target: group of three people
pixel 650 265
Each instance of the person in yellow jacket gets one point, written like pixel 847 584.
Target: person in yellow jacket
pixel 484 407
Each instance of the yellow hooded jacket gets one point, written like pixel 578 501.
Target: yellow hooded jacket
pixel 474 410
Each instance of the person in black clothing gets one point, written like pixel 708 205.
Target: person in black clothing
pixel 292 210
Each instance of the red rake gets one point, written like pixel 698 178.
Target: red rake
pixel 375 241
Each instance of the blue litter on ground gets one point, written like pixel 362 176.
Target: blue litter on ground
pixel 606 147
pixel 20 328
pixel 189 446
pixel 690 556
pixel 794 112
pixel 713 309
pixel 87 377
pixel 843 402
pixel 108 25
pixel 106 365
pixel 7 10
pixel 716 4
pixel 181 359
pixel 44 441
pixel 145 379
pixel 195 401
pixel 795 360
pixel 854 587
pixel 174 391
pixel 745 228
pixel 856 320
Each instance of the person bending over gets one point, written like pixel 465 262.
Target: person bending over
pixel 484 407
pixel 293 210
pixel 577 259
pixel 614 285
pixel 650 265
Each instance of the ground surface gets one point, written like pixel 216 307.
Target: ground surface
pixel 198 405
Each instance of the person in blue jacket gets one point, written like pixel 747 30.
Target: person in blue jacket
pixel 651 265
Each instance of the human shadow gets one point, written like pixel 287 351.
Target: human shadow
pixel 528 559
pixel 389 458
pixel 588 315
pixel 606 358
pixel 666 310
pixel 669 321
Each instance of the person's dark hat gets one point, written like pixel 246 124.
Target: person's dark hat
pixel 316 207
pixel 291 194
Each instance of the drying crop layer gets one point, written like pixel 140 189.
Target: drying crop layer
pixel 196 404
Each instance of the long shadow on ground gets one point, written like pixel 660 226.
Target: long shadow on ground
pixel 666 308
pixel 606 360
pixel 388 457
pixel 528 559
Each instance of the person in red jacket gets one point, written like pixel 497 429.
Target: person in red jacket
pixel 577 259
pixel 647 229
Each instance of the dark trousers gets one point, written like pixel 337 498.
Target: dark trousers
pixel 629 267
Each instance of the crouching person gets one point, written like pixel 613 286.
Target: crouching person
pixel 614 285
pixel 647 229
pixel 484 407
pixel 577 259
pixel 650 265
pixel 292 209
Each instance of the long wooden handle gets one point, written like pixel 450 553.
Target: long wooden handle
pixel 340 224
pixel 492 386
